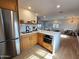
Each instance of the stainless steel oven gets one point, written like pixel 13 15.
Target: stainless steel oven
pixel 48 39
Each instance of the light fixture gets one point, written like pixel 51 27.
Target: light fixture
pixel 29 7
pixel 58 6
pixel 44 16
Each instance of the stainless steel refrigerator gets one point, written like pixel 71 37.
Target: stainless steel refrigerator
pixel 9 34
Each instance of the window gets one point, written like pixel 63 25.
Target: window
pixel 55 26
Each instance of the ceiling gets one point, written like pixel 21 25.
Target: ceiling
pixel 48 7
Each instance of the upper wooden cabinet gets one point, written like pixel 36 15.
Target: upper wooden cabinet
pixel 9 4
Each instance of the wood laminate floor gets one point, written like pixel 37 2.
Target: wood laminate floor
pixel 36 52
pixel 69 50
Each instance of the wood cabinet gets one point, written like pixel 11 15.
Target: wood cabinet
pixel 40 38
pixel 25 42
pixel 33 39
pixel 42 43
pixel 28 41
pixel 47 46
pixel 9 4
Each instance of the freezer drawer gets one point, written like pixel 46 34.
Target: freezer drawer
pixel 3 51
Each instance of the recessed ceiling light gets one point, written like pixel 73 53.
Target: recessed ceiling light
pixel 44 16
pixel 29 7
pixel 58 6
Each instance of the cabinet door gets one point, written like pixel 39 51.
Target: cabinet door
pixel 9 4
pixel 25 43
pixel 40 38
pixel 47 46
pixel 33 39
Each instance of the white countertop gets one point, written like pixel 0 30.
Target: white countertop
pixel 21 34
pixel 44 32
pixel 39 31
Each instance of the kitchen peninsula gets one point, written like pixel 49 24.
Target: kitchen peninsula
pixel 29 40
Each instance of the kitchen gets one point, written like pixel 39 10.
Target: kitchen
pixel 39 29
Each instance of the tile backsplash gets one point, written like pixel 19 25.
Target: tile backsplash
pixel 22 27
pixel 31 26
pixel 62 25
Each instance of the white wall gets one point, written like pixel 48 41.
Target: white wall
pixel 69 24
pixel 26 15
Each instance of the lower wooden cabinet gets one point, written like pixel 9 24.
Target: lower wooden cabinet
pixel 25 42
pixel 33 39
pixel 40 38
pixel 47 46
pixel 42 43
pixel 28 41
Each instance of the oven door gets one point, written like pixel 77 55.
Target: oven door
pixel 48 40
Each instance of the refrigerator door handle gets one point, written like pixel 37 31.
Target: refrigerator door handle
pixel 9 40
pixel 14 38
